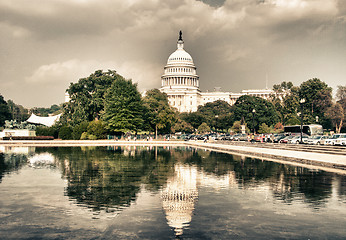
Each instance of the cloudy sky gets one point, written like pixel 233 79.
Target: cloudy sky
pixel 236 44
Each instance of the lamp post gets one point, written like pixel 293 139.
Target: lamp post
pixel 253 120
pixel 302 101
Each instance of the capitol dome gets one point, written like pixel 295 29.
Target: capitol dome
pixel 180 56
pixel 180 70
pixel 180 80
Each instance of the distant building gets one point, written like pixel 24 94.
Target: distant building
pixel 181 84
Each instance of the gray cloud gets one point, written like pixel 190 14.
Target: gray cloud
pixel 235 44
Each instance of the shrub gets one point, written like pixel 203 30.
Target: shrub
pixel 203 128
pixel 92 137
pixel 84 136
pixel 98 129
pixel 65 133
pixel 47 131
pixel 79 129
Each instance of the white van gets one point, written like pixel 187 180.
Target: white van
pixel 341 140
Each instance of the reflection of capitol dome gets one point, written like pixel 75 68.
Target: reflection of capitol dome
pixel 179 197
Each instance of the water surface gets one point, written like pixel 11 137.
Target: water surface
pixel 163 193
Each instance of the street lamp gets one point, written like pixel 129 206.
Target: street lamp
pixel 302 101
pixel 253 120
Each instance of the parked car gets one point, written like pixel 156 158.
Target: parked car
pixel 341 140
pixel 278 137
pixel 285 139
pixel 332 140
pixel 316 140
pixel 296 139
pixel 240 137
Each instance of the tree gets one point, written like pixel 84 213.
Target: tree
pixel 285 101
pixel 182 126
pixel 318 98
pixel 97 128
pixel 123 111
pixel 255 111
pixel 217 114
pixel 87 97
pixel 341 99
pixel 337 115
pixel 159 114
pixel 65 133
pixel 264 128
pixel 203 128
pixel 5 113
pixel 18 112
pixel 236 127
pixel 278 128
pixel 193 118
pixel 79 130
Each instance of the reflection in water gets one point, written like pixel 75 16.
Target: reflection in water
pixel 181 193
pixel 179 197
pixel 41 159
pixel 109 179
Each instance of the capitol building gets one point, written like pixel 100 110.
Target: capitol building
pixel 181 84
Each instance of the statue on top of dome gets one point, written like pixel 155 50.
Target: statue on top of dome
pixel 180 36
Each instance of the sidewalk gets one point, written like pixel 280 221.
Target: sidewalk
pixel 305 158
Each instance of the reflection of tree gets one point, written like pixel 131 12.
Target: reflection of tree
pixel 286 181
pixel 110 177
pixel 10 163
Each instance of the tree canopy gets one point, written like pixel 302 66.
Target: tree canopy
pixel 87 97
pixel 5 113
pixel 255 111
pixel 123 111
pixel 160 115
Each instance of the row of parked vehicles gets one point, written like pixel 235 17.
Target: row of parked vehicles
pixel 290 138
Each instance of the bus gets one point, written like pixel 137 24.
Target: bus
pixel 311 130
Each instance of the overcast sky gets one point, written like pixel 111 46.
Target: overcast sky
pixel 236 44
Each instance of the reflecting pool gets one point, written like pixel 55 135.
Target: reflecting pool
pixel 163 193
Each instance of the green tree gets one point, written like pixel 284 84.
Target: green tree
pixel 255 111
pixel 97 128
pixel 203 128
pixel 65 133
pixel 48 131
pixel 182 126
pixel 160 116
pixel 123 110
pixel 236 127
pixel 285 101
pixel 318 98
pixel 87 97
pixel 18 112
pixel 264 128
pixel 337 115
pixel 193 118
pixel 341 99
pixel 217 114
pixel 5 113
pixel 79 130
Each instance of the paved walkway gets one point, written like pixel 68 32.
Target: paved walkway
pixel 310 158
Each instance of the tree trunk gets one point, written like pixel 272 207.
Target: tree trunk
pixel 156 131
pixel 338 128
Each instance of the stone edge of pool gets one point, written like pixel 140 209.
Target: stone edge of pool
pixel 305 159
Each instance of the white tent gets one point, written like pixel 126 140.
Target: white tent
pixel 47 121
